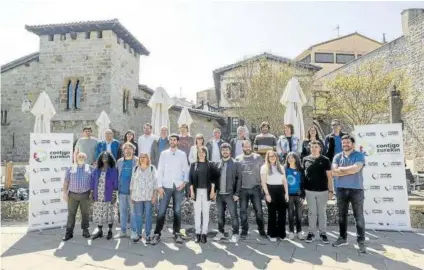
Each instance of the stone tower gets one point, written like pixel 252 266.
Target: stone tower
pixel 84 67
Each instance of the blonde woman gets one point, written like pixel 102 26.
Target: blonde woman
pixel 143 196
pixel 199 142
pixel 274 184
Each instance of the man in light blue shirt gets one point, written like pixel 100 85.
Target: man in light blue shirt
pixel 172 177
pixel 348 166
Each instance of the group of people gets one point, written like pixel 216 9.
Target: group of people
pixel 283 171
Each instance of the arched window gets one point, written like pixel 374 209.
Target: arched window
pixel 69 95
pixel 77 95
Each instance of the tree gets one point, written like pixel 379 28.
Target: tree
pixel 257 86
pixel 361 96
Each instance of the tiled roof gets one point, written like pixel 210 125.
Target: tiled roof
pixel 20 61
pixel 217 72
pixel 146 89
pixel 114 25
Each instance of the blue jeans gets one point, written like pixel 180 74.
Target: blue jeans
pixel 356 198
pixel 124 204
pixel 138 210
pixel 177 198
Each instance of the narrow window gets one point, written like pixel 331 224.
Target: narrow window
pixel 51 37
pixel 3 117
pixel 87 35
pixel 62 36
pixel 69 95
pixel 77 97
pixel 99 34
pixel 118 40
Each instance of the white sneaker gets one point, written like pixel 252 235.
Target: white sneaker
pixel 121 235
pixel 219 236
pixel 273 239
pixel 301 235
pixel 134 236
pixel 234 238
pixel 291 236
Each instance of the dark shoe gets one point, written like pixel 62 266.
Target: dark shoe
pixel 178 239
pixel 109 235
pixel 340 242
pixel 362 248
pixel 148 240
pixel 98 234
pixel 68 236
pixel 156 239
pixel 136 239
pixel 197 238
pixel 324 238
pixel 85 233
pixel 243 235
pixel 203 239
pixel 263 235
pixel 310 238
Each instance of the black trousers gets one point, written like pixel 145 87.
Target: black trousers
pixel 277 212
pixel 295 213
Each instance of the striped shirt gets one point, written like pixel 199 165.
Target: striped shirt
pixel 264 142
pixel 78 178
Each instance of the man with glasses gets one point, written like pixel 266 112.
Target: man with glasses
pixel 333 141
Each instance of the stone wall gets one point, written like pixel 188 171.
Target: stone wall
pixel 18 211
pixel 405 52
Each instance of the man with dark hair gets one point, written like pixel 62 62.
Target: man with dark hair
pixel 264 141
pixel 333 141
pixel 145 141
pixel 172 177
pixel 214 146
pixel 348 166
pixel 86 144
pixel 251 190
pixel 228 188
pixel 186 141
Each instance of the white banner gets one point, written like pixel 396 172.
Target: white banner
pixel 386 197
pixel 50 156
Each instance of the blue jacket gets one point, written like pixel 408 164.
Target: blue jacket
pixel 102 146
pixel 111 183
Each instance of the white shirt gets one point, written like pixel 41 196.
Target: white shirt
pixel 145 144
pixel 276 178
pixel 109 147
pixel 172 169
pixel 216 156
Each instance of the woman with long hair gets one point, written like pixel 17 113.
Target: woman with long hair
pixel 311 136
pixel 143 196
pixel 128 137
pixel 295 182
pixel 104 184
pixel 199 142
pixel 274 184
pixel 202 189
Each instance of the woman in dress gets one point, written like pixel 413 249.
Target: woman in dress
pixel 274 184
pixel 202 189
pixel 104 184
pixel 143 195
pixel 200 141
pixel 311 136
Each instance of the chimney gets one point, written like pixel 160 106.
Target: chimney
pixel 384 38
pixel 408 15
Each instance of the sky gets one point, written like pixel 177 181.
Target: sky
pixel 187 40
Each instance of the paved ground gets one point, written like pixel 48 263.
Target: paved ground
pixel 44 250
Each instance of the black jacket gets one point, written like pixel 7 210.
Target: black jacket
pixel 210 148
pixel 306 150
pixel 330 142
pixel 212 174
pixel 234 169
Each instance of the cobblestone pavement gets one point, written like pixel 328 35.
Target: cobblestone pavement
pixel 44 250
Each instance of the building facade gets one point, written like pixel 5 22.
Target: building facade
pixel 207 96
pixel 85 68
pixel 405 52
pixel 337 52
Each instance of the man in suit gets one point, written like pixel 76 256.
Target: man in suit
pixel 214 146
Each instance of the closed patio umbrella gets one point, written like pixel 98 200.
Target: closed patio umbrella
pixel 103 123
pixel 44 111
pixel 160 102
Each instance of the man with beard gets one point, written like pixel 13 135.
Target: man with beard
pixel 227 189
pixel 145 141
pixel 264 141
pixel 347 166
pixel 125 166
pixel 251 164
pixel 172 177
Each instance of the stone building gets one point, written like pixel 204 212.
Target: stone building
pixel 228 86
pixel 206 96
pixel 406 51
pixel 84 67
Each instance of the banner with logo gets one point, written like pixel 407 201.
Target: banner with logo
pixel 386 197
pixel 50 156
